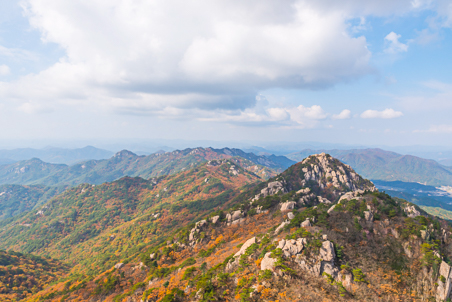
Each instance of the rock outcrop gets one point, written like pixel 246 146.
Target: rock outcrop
pixel 198 227
pixel 325 171
pixel 268 262
pixel 292 247
pixel 411 211
pixel 234 263
pixel 323 263
pixel 271 189
pixel 444 282
pixel 306 223
pixel 287 206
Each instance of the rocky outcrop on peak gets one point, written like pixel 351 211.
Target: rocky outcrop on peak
pixel 325 171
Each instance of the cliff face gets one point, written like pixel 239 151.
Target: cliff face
pixel 316 232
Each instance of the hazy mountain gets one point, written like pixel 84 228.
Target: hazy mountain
pixel 388 166
pixel 126 163
pixel 6 161
pixel 56 155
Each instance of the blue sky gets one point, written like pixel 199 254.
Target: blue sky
pixel 354 72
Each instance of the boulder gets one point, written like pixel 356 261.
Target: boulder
pixel 200 224
pixel 119 265
pixel 327 251
pixel 331 209
pixel 281 226
pixel 238 221
pixel 306 223
pixel 346 278
pixel 268 262
pixel 236 215
pixel 411 211
pixel 304 191
pixel 369 216
pixel 290 215
pixel 292 247
pixel 287 206
pixel 425 235
pixel 323 200
pixel 246 245
pixel 215 219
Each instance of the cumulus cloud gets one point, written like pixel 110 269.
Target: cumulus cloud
pixel 291 117
pixel 345 114
pixel 385 114
pixel 210 55
pixel 394 45
pixel 4 70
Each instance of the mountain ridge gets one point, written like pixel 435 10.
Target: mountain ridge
pixel 389 166
pixel 127 163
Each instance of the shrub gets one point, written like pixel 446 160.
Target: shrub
pixel 359 275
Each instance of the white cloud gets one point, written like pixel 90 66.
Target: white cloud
pixel 385 114
pixel 4 70
pixel 345 114
pixel 32 107
pixel 17 54
pixel 444 9
pixel 289 117
pixel 394 45
pixel 437 129
pixel 300 114
pixel 173 53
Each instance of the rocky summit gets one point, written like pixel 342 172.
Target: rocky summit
pixel 316 232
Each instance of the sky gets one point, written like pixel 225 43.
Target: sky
pixel 343 72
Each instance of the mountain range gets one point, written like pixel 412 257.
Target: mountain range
pixel 318 231
pixel 54 155
pixel 126 163
pixel 388 166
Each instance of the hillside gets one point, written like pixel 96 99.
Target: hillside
pixel 389 166
pixel 316 232
pixel 22 275
pixel 17 199
pixel 126 163
pixel 94 226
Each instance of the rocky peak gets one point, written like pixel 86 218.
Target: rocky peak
pixel 319 177
pixel 327 172
pixel 124 153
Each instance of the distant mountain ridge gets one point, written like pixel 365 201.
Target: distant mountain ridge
pixel 389 166
pixel 126 163
pixel 54 155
